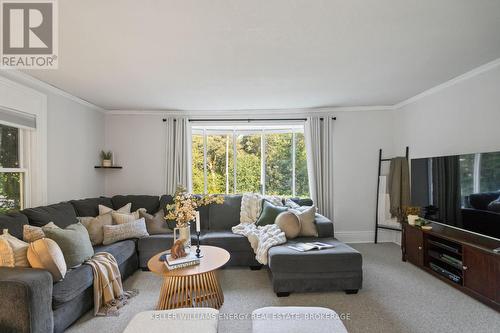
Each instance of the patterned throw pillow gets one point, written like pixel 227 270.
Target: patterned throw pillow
pixel 46 254
pixel 122 218
pixel 18 257
pixel 115 233
pixel 125 209
pixel 307 218
pixel 94 226
pixel 32 233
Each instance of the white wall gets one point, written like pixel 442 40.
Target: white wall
pixel 462 118
pixel 138 144
pixel 75 138
pixel 358 138
pixel 75 135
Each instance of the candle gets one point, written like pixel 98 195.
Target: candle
pixel 198 221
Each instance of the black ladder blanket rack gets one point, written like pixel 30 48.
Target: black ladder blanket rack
pixel 377 225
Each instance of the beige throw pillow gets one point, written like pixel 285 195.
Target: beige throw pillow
pixel 94 226
pixel 289 223
pixel 307 225
pixel 156 224
pixel 46 254
pixel 125 209
pixel 18 247
pixel 6 254
pixel 122 218
pixel 32 233
pixel 115 233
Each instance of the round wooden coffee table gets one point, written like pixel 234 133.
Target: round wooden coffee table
pixel 193 286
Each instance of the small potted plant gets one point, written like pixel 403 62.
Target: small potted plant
pixel 106 158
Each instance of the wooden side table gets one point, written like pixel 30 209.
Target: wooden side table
pixel 193 286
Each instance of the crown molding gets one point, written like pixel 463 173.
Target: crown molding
pixel 238 113
pixel 456 80
pixel 22 77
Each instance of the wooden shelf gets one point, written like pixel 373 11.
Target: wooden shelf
pixel 111 167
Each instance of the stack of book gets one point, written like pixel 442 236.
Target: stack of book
pixel 186 261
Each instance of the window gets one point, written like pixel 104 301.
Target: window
pixel 479 173
pixel 12 173
pixel 237 159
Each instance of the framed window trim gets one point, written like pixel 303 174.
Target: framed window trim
pixel 205 131
pixel 25 197
pixel 20 98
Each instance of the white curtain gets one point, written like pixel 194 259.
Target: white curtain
pixel 178 154
pixel 319 147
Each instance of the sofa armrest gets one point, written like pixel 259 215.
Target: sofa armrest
pixel 26 304
pixel 324 226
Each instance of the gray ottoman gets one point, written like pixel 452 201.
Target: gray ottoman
pixel 296 319
pixel 339 268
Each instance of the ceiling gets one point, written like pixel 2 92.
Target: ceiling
pixel 267 54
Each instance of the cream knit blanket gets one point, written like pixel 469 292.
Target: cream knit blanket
pixel 261 238
pixel 108 290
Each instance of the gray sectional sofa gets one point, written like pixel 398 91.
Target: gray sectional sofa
pixel 31 302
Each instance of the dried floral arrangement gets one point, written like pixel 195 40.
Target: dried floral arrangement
pixel 183 210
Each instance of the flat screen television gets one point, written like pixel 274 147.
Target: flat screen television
pixel 462 191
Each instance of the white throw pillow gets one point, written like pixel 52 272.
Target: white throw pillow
pixel 115 233
pixel 125 209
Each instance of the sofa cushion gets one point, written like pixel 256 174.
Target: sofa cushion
pixel 120 250
pixel 155 244
pixel 482 200
pixel 14 222
pixel 89 206
pixel 150 202
pixel 81 278
pixel 165 200
pixel 494 206
pixel 340 258
pixel 227 240
pixel 204 211
pixel 74 283
pixel 62 214
pixel 226 215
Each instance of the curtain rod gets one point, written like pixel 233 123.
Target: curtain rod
pixel 248 120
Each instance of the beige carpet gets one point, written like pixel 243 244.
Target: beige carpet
pixel 396 297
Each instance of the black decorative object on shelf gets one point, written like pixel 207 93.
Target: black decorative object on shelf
pixel 106 167
pixel 198 255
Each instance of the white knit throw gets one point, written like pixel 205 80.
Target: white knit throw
pixel 261 238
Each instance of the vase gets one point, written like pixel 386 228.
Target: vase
pixel 106 163
pixel 184 234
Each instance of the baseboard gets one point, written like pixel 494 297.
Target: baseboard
pixel 384 236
